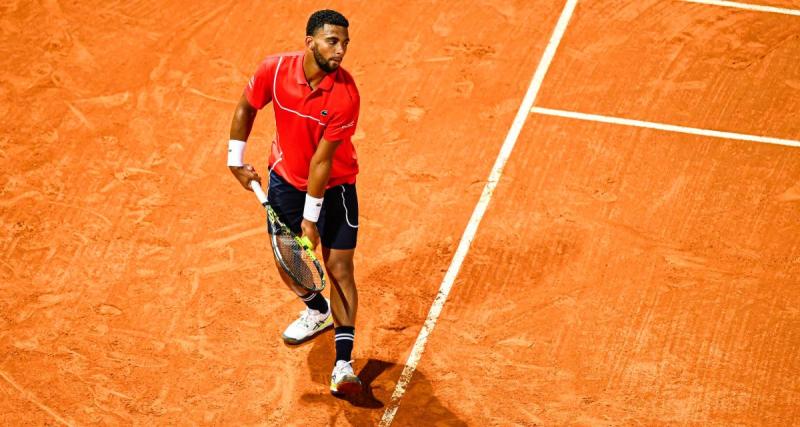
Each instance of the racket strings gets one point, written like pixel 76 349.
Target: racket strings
pixel 298 262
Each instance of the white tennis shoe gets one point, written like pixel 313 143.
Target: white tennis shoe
pixel 307 326
pixel 343 380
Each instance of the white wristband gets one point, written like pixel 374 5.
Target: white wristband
pixel 236 152
pixel 312 209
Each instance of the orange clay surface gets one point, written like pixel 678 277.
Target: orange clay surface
pixel 621 276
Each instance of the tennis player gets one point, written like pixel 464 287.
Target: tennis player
pixel 313 168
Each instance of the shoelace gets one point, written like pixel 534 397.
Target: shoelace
pixel 341 370
pixel 308 319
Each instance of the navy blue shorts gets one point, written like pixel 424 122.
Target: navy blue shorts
pixel 338 221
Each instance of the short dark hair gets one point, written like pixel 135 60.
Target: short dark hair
pixel 319 18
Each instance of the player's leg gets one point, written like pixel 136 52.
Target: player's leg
pixel 339 234
pixel 344 299
pixel 344 296
pixel 344 305
pixel 288 203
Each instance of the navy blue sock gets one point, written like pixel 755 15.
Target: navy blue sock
pixel 344 342
pixel 315 301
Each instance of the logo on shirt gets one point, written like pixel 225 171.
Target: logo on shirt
pixel 324 113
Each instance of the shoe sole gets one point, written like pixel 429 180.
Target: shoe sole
pixel 347 388
pixel 293 341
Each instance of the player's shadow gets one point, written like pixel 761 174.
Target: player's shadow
pixel 371 370
pixel 378 378
pixel 320 362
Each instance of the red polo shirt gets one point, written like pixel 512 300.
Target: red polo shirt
pixel 303 117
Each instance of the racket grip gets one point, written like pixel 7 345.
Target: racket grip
pixel 259 192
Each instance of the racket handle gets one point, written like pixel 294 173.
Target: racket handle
pixel 259 192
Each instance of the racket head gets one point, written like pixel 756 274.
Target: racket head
pixel 295 256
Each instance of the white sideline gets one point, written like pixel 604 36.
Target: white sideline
pixel 748 6
pixel 478 212
pixel 664 127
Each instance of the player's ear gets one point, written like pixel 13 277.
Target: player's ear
pixel 309 42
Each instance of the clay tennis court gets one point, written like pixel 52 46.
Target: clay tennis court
pixel 622 274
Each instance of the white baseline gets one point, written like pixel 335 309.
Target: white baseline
pixel 478 212
pixel 748 6
pixel 664 127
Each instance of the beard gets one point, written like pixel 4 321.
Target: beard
pixel 322 63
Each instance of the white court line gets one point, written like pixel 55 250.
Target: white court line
pixel 748 6
pixel 665 127
pixel 477 214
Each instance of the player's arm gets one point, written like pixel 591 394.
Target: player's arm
pixel 318 173
pixel 320 167
pixel 241 125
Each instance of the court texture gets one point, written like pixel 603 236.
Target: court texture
pixel 579 213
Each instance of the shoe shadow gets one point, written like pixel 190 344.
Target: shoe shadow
pixel 320 362
pixel 368 374
pixel 377 378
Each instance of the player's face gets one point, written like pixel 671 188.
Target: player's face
pixel 329 45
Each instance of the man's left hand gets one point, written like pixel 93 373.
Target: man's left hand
pixel 310 231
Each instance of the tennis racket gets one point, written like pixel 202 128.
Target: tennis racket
pixel 293 253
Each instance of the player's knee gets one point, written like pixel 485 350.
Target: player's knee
pixel 341 270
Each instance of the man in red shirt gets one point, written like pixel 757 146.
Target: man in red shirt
pixel 313 168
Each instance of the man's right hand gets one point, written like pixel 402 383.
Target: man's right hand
pixel 244 174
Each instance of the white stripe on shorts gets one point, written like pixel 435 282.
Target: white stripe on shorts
pixel 346 214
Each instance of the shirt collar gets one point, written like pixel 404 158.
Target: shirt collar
pixel 327 81
pixel 300 76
